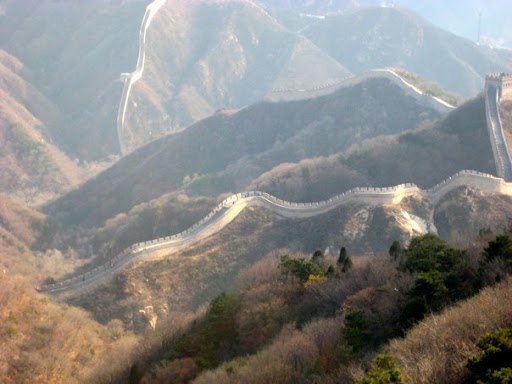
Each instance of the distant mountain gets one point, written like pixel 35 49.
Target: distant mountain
pixel 206 55
pixel 75 52
pixel 31 166
pixel 225 152
pixel 460 17
pixel 368 38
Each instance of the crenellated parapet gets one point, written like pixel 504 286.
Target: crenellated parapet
pixel 498 87
pixel 230 208
pixel 502 82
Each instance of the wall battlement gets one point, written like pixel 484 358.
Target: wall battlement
pixel 502 82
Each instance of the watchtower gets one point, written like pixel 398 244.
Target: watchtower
pixel 502 82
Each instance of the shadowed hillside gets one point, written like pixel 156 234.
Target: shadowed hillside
pixel 225 152
pixel 424 157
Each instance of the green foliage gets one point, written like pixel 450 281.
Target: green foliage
pixel 395 250
pixel 383 371
pixel 429 252
pixel 431 88
pixel 411 138
pixel 344 261
pixel 300 267
pixel 428 295
pixel 355 331
pixel 318 257
pixel 441 277
pixel 12 317
pixel 216 339
pixel 11 331
pixel 500 248
pixel 494 362
pixel 49 280
pixel 135 374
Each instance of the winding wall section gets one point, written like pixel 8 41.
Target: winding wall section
pixel 230 208
pixel 131 78
pixel 323 89
pixel 499 145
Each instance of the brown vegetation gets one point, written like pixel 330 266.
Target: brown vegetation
pixel 282 330
pixel 430 88
pixel 437 350
pixel 425 157
pixel 30 167
pixel 43 342
pixel 225 152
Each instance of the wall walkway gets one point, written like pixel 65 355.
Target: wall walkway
pixel 231 207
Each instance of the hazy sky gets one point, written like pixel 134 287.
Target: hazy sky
pixel 461 17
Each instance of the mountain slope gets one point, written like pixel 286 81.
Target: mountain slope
pixel 31 168
pixel 75 52
pixel 225 152
pixel 382 37
pixel 424 157
pixel 209 54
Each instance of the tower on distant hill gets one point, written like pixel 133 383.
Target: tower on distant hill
pixel 502 82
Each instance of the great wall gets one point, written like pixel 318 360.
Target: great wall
pixel 497 88
pixel 231 207
pixel 288 94
pixel 129 79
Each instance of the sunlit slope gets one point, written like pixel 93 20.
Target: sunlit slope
pixel 205 55
pixel 31 167
pixel 381 37
pixel 75 52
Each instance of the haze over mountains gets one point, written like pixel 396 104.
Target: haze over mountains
pixel 460 17
pixel 334 107
pixel 246 54
pixel 73 53
pixel 207 55
pixel 225 152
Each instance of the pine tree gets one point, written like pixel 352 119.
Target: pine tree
pixel 395 250
pixel 318 257
pixel 344 261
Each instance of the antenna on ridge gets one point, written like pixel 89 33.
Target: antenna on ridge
pixel 479 26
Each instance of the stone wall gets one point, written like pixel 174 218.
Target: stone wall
pixel 502 82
